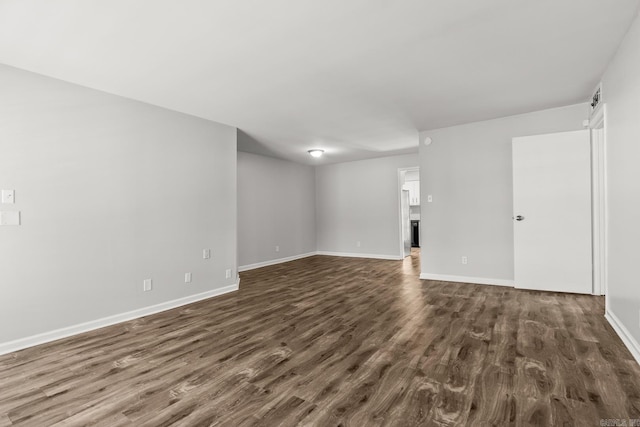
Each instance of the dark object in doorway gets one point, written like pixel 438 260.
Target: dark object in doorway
pixel 415 233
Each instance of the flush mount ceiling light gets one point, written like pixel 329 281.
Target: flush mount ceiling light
pixel 316 152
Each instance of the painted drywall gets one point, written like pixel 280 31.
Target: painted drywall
pixel 359 202
pixel 111 192
pixel 276 207
pixel 467 170
pixel 621 95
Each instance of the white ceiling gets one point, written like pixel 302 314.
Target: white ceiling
pixel 358 78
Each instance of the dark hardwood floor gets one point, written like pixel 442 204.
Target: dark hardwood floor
pixel 329 341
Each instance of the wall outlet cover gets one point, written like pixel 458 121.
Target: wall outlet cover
pixel 10 218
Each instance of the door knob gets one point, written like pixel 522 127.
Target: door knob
pixel 519 218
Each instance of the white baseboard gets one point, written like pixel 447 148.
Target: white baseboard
pixel 308 254
pixel 358 255
pixel 274 261
pixel 466 279
pixel 624 335
pixel 22 343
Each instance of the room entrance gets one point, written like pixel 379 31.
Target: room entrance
pixel 409 198
pixel 552 212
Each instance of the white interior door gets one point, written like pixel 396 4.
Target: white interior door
pixel 552 212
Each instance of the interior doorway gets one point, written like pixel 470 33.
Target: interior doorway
pixel 552 212
pixel 409 200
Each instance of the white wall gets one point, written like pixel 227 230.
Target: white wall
pixel 468 171
pixel 276 207
pixel 621 94
pixel 359 201
pixel 111 191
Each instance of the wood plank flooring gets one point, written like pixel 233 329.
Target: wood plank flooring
pixel 327 341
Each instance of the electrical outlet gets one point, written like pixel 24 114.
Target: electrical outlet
pixel 358 244
pixel 147 285
pixel 187 277
pixel 228 273
pixel 277 248
pixel 10 218
pixel 206 253
pixel 464 260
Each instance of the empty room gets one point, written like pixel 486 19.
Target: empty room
pixel 319 213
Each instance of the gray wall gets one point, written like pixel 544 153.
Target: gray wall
pixel 359 201
pixel 276 207
pixel 111 191
pixel 467 169
pixel 621 94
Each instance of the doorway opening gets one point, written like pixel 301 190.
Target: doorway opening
pixel 584 253
pixel 409 200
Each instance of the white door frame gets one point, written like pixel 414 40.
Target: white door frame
pixel 599 198
pixel 400 184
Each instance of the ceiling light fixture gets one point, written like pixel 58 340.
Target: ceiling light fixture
pixel 316 152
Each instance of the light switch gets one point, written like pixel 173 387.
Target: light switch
pixel 8 197
pixel 429 198
pixel 10 218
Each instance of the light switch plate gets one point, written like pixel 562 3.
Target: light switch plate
pixel 10 218
pixel 8 197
